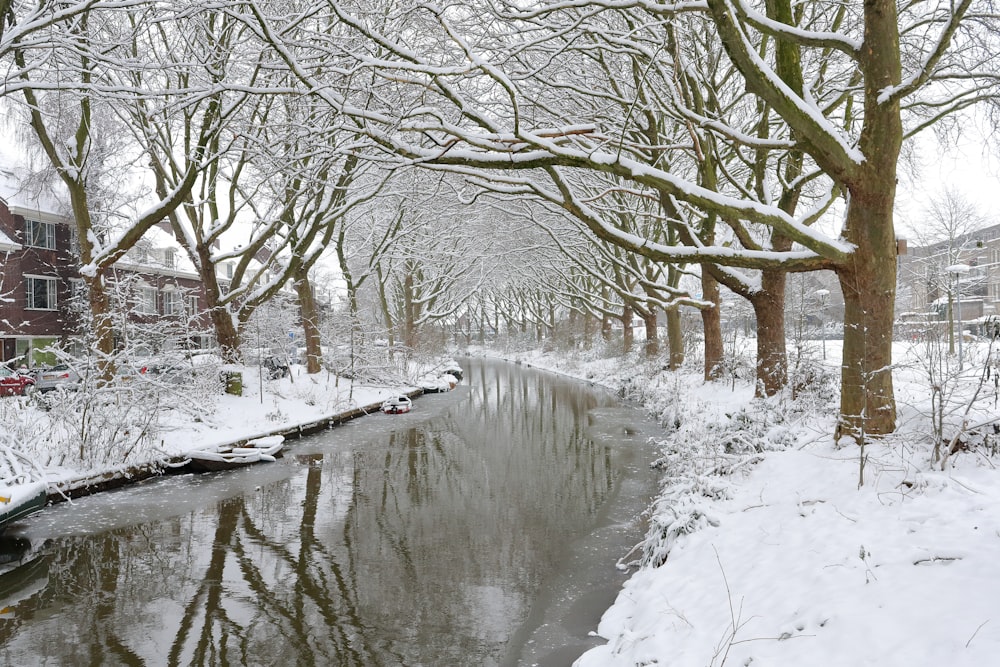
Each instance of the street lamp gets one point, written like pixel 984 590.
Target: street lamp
pixel 822 294
pixel 958 270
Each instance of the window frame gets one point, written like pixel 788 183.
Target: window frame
pixel 48 242
pixel 173 302
pixel 147 301
pixel 52 292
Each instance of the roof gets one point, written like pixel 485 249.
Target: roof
pixel 8 245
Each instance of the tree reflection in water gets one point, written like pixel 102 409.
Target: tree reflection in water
pixel 421 542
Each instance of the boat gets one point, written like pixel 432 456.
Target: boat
pixel 24 574
pixel 19 497
pixel 259 450
pixel 397 405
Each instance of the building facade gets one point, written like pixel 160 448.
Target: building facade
pixel 937 281
pixel 42 297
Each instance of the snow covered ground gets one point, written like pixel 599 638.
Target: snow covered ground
pixel 764 550
pixel 78 438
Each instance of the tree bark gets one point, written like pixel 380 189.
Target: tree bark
pixel 769 308
pixel 100 319
pixel 409 312
pixel 772 358
pixel 675 339
pixel 711 324
pixel 867 404
pixel 867 401
pixel 628 333
pixel 310 323
pixel 227 334
pixel 652 345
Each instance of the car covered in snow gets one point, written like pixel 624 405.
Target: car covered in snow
pixel 54 377
pixel 13 383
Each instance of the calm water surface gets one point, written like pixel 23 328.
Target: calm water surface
pixel 482 528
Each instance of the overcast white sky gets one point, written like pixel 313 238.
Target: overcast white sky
pixel 969 166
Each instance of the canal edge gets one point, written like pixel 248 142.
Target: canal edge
pixel 79 487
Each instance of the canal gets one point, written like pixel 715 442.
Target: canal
pixel 482 528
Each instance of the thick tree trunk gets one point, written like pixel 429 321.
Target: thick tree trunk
pixel 772 356
pixel 675 339
pixel 226 333
pixel 310 323
pixel 867 404
pixel 628 333
pixel 711 324
pixel 100 318
pixel 652 345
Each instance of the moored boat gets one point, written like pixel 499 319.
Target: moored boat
pixel 397 405
pixel 19 497
pixel 259 450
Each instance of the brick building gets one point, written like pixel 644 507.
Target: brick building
pixel 41 292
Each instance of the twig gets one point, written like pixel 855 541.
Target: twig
pixel 976 632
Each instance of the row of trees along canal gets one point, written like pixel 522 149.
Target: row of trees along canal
pixel 555 160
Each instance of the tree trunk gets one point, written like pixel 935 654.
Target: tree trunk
pixel 711 324
pixel 867 404
pixel 409 313
pixel 772 358
pixel 675 339
pixel 652 346
pixel 310 323
pixel 628 333
pixel 226 333
pixel 100 318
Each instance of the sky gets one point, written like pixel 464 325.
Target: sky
pixel 968 164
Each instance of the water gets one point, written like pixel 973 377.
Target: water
pixel 482 528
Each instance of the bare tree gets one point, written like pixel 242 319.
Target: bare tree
pixel 67 87
pixel 465 110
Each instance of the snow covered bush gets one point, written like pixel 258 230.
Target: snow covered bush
pixel 94 425
pixel 957 405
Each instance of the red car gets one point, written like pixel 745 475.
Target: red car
pixel 13 383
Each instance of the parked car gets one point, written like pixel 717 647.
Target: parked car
pixel 50 379
pixel 13 383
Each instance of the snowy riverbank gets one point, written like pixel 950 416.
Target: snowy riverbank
pixel 184 420
pixel 764 550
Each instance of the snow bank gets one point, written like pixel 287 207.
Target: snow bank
pixel 764 550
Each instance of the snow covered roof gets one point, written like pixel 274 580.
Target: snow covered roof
pixel 37 201
pixel 8 245
pixel 159 252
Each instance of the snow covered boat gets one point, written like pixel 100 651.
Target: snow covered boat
pixel 260 450
pixel 397 405
pixel 19 497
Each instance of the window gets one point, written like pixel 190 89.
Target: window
pixel 147 300
pixel 193 304
pixel 40 234
pixel 170 258
pixel 173 304
pixel 40 293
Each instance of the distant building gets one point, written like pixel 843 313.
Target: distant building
pixel 932 277
pixel 41 291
